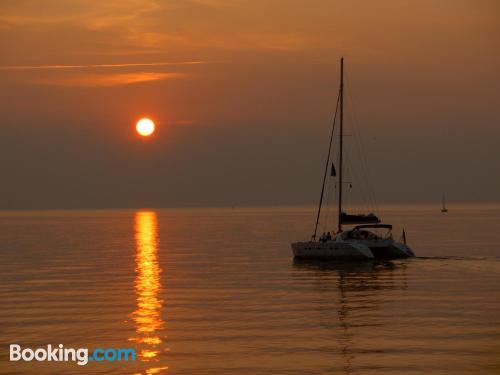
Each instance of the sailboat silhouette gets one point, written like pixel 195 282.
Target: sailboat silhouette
pixel 444 209
pixel 361 242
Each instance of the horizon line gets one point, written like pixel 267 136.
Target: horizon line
pixel 458 205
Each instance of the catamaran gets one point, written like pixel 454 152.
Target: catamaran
pixel 363 240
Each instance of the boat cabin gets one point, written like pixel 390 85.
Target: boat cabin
pixel 369 232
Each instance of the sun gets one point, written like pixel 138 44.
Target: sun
pixel 145 127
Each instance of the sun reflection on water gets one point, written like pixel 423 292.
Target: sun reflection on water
pixel 147 316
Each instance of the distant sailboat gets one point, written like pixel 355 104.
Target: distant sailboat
pixel 360 242
pixel 444 209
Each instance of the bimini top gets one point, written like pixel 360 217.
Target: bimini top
pixel 388 226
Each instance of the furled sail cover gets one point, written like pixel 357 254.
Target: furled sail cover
pixel 358 218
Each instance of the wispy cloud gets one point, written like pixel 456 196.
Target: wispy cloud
pixel 108 80
pixel 93 66
pixel 90 14
pixel 143 26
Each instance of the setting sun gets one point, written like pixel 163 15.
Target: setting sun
pixel 145 127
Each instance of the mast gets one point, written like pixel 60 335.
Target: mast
pixel 340 101
pixel 339 228
pixel 326 169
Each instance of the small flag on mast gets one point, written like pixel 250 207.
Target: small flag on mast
pixel 334 172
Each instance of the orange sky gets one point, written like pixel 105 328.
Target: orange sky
pixel 242 92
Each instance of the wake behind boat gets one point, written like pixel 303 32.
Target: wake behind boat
pixel 368 239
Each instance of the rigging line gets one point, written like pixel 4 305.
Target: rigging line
pixel 326 215
pixel 326 166
pixel 352 193
pixel 359 191
pixel 354 198
pixel 326 222
pixel 364 162
pixel 367 197
pixel 330 192
pixel 358 196
pixel 347 197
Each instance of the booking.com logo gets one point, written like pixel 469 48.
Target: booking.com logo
pixel 61 354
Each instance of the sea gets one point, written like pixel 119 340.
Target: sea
pixel 214 291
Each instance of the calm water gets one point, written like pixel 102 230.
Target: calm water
pixel 217 292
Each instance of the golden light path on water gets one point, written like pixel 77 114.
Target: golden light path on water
pixel 147 316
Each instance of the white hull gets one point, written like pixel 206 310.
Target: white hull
pixel 351 250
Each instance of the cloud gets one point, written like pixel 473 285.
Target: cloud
pixel 108 80
pixel 91 14
pixel 90 66
pixel 181 26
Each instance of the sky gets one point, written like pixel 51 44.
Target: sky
pixel 243 93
